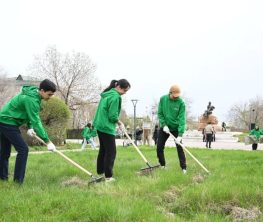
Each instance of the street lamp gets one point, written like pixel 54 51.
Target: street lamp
pixel 253 124
pixel 252 119
pixel 134 102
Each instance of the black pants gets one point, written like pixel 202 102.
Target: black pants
pixel 11 135
pixel 162 138
pixel 107 154
pixel 254 146
pixel 209 138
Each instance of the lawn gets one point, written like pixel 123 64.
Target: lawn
pixel 54 190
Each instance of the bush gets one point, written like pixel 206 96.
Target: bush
pixel 55 116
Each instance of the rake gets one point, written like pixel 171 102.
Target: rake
pixel 94 179
pixel 190 154
pixel 149 167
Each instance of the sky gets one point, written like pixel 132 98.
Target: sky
pixel 212 49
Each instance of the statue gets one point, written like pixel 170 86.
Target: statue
pixel 206 117
pixel 209 110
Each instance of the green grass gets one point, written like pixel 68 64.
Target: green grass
pixel 166 195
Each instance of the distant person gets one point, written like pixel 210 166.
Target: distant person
pixel 256 133
pixel 172 116
pixel 214 134
pixel 138 135
pixel 155 134
pixel 86 133
pixel 22 109
pixel 105 120
pixel 223 126
pixel 93 135
pixel 209 131
pixel 203 132
pixel 146 136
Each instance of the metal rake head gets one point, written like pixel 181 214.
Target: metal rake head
pixel 95 180
pixel 148 170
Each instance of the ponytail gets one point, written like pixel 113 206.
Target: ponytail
pixel 113 84
pixel 123 83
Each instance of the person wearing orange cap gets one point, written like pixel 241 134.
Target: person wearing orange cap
pixel 172 117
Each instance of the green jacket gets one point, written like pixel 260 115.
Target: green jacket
pixel 256 133
pixel 86 133
pixel 24 108
pixel 108 111
pixel 93 132
pixel 172 113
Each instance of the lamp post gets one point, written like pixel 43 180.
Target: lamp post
pixel 253 124
pixel 252 119
pixel 134 102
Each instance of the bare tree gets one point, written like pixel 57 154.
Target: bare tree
pixel 7 89
pixel 73 74
pixel 189 117
pixel 242 114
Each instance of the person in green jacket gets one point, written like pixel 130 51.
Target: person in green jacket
pixel 87 135
pixel 93 136
pixel 256 133
pixel 105 120
pixel 22 109
pixel 172 117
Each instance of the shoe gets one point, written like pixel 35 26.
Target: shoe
pixel 110 179
pixel 163 167
pixel 184 171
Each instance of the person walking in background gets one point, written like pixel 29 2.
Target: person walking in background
pixel 93 135
pixel 22 109
pixel 172 117
pixel 214 135
pixel 223 126
pixel 203 132
pixel 146 136
pixel 155 134
pixel 86 133
pixel 209 130
pixel 138 135
pixel 105 120
pixel 256 133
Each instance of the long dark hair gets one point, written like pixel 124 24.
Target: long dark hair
pixel 123 83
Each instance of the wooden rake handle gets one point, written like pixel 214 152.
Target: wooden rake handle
pixel 135 146
pixel 206 170
pixel 67 158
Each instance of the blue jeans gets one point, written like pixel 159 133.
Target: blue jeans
pixel 11 135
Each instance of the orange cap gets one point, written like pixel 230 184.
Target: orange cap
pixel 175 90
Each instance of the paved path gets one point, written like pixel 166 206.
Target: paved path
pixel 215 145
pixel 170 143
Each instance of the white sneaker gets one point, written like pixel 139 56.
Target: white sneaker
pixel 110 179
pixel 163 167
pixel 184 171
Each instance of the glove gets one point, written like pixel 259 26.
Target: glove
pixel 121 126
pixel 51 146
pixel 178 140
pixel 31 132
pixel 166 129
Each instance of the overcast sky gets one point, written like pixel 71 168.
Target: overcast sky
pixel 212 49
